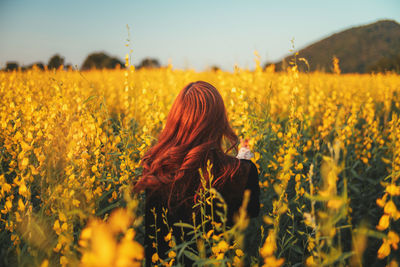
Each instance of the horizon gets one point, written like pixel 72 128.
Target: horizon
pixel 243 27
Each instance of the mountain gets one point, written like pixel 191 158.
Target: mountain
pixel 358 49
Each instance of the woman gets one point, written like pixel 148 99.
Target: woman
pixel 194 132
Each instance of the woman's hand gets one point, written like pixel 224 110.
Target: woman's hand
pixel 244 151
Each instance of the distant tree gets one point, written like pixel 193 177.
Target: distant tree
pixel 101 60
pixel 115 63
pixel 215 68
pixel 11 65
pixel 55 62
pixel 38 65
pixel 149 63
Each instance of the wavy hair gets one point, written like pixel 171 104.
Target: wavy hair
pixel 193 134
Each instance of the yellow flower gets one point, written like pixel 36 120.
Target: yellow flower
pixel 383 223
pixel 75 202
pixel 22 189
pixel 128 251
pixel 310 261
pixel 381 201
pixel 154 258
pixel 309 219
pixel 103 245
pixel 390 209
pixel 335 203
pixel 384 250
pixel 170 263
pixel 273 262
pixel 45 263
pixel 63 261
pixel 393 239
pixel 6 187
pixel 57 227
pixel 62 217
pixel 222 246
pixel 267 249
pixel 239 253
pixel 24 163
pixel 120 220
pixel 220 256
pixel 393 190
pixel 237 261
pixel 299 166
pixel 8 204
pixel 168 237
pixel 94 168
pixel 86 234
pixel 172 254
pixel 64 227
pixel 269 245
pixel 21 205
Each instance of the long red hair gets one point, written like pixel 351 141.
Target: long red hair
pixel 195 129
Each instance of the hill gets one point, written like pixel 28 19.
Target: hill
pixel 358 48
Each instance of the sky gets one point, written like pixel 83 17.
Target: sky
pixel 191 34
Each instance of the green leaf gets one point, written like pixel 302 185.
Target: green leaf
pixel 89 98
pixel 191 255
pixel 184 225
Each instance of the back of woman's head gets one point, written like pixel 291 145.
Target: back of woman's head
pixel 193 134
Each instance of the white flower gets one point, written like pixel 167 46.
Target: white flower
pixel 244 153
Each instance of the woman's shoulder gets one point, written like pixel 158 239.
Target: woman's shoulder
pixel 248 163
pixel 246 177
pixel 246 166
pixel 251 172
pixel 248 169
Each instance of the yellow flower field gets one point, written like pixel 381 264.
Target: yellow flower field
pixel 327 147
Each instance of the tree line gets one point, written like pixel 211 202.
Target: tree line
pixel 97 60
pixel 101 60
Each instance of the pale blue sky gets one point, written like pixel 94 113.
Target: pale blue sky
pixel 192 34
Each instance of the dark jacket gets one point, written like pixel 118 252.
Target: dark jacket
pixel 232 192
